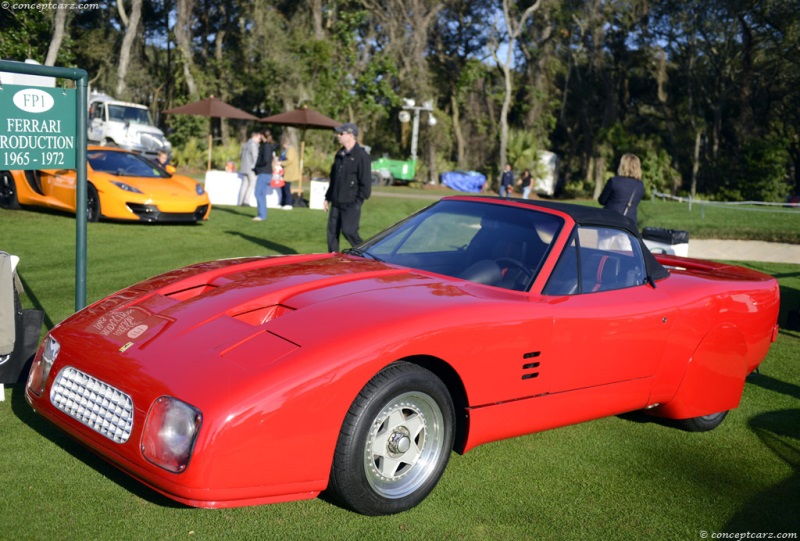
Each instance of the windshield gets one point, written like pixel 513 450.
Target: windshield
pixel 134 115
pixel 487 243
pixel 124 164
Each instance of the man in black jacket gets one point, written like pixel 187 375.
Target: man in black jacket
pixel 350 186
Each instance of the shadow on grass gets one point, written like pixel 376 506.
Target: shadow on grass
pixel 761 380
pixel 771 384
pixel 31 296
pixel 768 511
pixel 264 243
pixel 44 428
pixel 237 211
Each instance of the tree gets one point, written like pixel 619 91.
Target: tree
pixel 183 38
pixel 131 31
pixel 59 29
pixel 456 48
pixel 514 24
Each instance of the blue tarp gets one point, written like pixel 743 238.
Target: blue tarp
pixel 463 181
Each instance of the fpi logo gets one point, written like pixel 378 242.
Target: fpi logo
pixel 33 100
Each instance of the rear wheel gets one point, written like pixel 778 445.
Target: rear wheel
pixel 8 191
pixel 704 423
pixel 395 442
pixel 92 204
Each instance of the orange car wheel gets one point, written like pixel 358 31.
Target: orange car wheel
pixel 8 192
pixel 92 204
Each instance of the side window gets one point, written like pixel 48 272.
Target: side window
pixel 597 259
pixel 564 279
pixel 609 259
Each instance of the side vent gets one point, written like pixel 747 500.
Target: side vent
pixel 530 369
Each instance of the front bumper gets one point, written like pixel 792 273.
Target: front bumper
pixel 151 213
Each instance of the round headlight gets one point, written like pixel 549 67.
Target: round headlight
pixel 170 432
pixel 37 378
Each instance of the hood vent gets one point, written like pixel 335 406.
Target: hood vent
pixel 262 315
pixel 186 294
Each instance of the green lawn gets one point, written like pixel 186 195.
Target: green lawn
pixel 616 478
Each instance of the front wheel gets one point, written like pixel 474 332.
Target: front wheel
pixel 8 191
pixel 395 442
pixel 704 423
pixel 92 204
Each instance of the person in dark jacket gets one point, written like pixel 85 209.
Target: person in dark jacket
pixel 623 192
pixel 506 181
pixel 526 182
pixel 350 186
pixel 263 170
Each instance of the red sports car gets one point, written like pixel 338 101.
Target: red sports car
pixel 267 379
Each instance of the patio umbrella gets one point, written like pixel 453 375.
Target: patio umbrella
pixel 303 119
pixel 212 108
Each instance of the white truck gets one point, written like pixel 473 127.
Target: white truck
pixel 125 125
pixel 545 172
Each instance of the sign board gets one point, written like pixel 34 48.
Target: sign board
pixel 37 128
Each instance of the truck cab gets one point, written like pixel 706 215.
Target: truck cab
pixel 125 125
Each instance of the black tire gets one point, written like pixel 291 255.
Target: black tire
pixel 8 191
pixel 704 423
pixel 388 181
pixel 92 204
pixel 375 178
pixel 395 442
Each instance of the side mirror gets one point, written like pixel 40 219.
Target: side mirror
pixel 170 169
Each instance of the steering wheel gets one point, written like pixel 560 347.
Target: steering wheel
pixel 508 262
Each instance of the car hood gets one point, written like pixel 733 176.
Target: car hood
pixel 216 306
pixel 174 186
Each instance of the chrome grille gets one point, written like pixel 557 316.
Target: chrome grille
pixel 98 405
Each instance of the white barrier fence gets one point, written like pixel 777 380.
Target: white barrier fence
pixel 788 208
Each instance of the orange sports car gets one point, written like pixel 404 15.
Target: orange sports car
pixel 122 185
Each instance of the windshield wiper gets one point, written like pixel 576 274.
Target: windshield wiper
pixel 362 253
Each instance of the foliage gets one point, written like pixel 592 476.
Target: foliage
pixel 764 166
pixel 591 79
pixel 193 153
pixel 522 149
pixel 26 33
pixel 657 171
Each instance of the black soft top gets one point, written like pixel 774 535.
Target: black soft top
pixel 586 215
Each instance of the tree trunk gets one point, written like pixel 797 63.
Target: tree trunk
pixel 504 111
pixel 461 147
pixel 599 168
pixel 513 28
pixel 698 138
pixel 316 19
pixel 59 26
pixel 127 44
pixel 183 38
